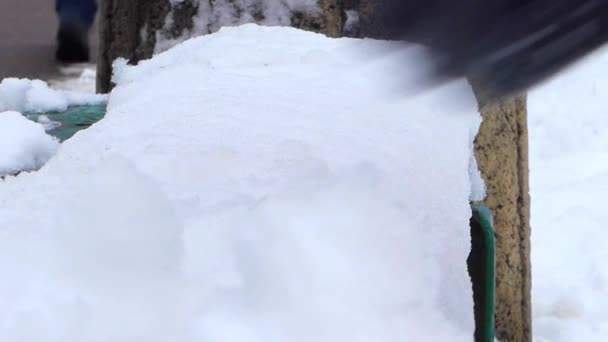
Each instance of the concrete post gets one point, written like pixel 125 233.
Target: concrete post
pixel 124 27
pixel 501 149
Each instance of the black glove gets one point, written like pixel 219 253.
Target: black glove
pixel 506 45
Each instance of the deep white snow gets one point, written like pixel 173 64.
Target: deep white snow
pixel 258 184
pixel 24 145
pixel 569 184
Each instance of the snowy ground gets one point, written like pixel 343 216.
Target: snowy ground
pixel 24 145
pixel 569 183
pixel 265 195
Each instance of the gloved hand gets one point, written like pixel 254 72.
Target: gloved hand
pixel 506 45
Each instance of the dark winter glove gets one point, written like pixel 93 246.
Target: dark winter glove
pixel 506 45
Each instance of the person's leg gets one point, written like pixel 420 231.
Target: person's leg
pixel 75 20
pixel 83 10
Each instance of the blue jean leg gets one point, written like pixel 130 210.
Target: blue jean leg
pixel 82 10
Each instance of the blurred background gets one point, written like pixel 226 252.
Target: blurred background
pixel 28 30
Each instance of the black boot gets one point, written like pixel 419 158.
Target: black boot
pixel 72 42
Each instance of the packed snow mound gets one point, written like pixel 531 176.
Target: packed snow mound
pixel 258 184
pixel 78 78
pixel 569 186
pixel 35 96
pixel 24 145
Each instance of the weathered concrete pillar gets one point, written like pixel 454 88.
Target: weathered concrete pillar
pixel 124 27
pixel 130 28
pixel 501 149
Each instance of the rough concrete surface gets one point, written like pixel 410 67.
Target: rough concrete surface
pixel 501 148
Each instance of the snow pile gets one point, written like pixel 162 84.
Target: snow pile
pixel 569 186
pixel 24 145
pixel 35 96
pixel 286 196
pixel 79 78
